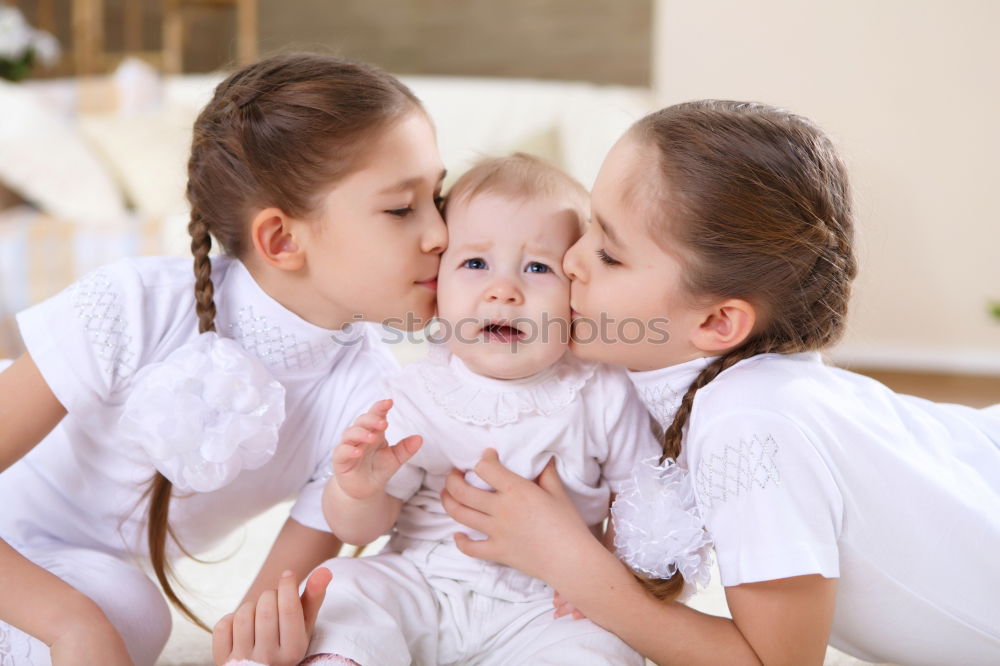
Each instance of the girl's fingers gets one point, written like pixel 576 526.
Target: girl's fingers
pixel 490 470
pixel 222 639
pixel 266 621
pixel 468 495
pixel 290 620
pixel 482 550
pixel 463 514
pixel 313 595
pixel 243 622
pixel 550 481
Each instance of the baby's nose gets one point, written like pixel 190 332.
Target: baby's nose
pixel 503 291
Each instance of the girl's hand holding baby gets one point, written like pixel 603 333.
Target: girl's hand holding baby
pixel 276 631
pixel 528 545
pixel 364 462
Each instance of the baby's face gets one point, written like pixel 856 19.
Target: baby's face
pixel 502 295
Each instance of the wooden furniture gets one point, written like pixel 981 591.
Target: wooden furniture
pixel 85 46
pixel 174 13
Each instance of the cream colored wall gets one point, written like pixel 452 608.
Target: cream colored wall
pixel 910 91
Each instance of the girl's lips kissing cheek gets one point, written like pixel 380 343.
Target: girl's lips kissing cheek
pixel 430 283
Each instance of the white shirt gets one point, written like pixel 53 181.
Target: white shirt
pixel 799 468
pixel 585 415
pixel 83 483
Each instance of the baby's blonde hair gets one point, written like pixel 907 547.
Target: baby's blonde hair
pixel 520 176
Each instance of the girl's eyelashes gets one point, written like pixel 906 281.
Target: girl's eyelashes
pixel 476 264
pixel 400 212
pixel 607 258
pixel 437 200
pixel 537 267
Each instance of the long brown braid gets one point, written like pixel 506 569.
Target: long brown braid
pixel 760 208
pixel 277 133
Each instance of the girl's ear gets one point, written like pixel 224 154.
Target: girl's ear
pixel 725 326
pixel 274 241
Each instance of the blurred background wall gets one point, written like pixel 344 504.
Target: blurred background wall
pixel 910 91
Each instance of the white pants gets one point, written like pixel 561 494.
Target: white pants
pixel 436 606
pixel 129 599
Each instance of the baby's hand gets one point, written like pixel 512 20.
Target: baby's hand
pixel 276 631
pixel 364 462
pixel 563 607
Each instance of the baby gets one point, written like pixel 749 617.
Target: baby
pixel 498 375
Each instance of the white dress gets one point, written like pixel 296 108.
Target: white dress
pixel 424 602
pixel 74 504
pixel 799 468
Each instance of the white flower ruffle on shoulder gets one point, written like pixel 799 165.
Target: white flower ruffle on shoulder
pixel 508 401
pixel 658 526
pixel 205 413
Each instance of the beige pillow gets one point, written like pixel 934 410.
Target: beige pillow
pixel 147 153
pixel 44 160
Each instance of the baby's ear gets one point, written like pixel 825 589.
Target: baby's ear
pixel 274 240
pixel 725 326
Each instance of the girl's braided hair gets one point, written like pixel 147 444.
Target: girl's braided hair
pixel 277 133
pixel 760 207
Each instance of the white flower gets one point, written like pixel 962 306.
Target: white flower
pixel 205 413
pixel 46 48
pixel 15 33
pixel 17 38
pixel 658 527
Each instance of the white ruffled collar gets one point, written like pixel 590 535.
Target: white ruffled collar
pixel 285 342
pixel 662 390
pixel 473 398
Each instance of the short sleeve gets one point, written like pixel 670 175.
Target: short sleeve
pixel 86 340
pixel 359 386
pixel 628 430
pixel 767 496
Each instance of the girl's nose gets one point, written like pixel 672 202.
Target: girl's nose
pixel 505 292
pixel 435 237
pixel 572 263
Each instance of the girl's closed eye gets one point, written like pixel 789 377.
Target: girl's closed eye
pixel 476 264
pixel 607 258
pixel 400 212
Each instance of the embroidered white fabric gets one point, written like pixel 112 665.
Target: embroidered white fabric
pixel 264 338
pixel 738 470
pixel 658 528
pixel 204 413
pixel 502 405
pixel 98 305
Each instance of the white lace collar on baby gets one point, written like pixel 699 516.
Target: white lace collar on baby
pixel 472 398
pixel 285 342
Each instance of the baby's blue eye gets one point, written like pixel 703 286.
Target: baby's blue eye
pixel 475 264
pixel 536 267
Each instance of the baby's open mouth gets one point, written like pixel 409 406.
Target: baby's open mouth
pixel 501 331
